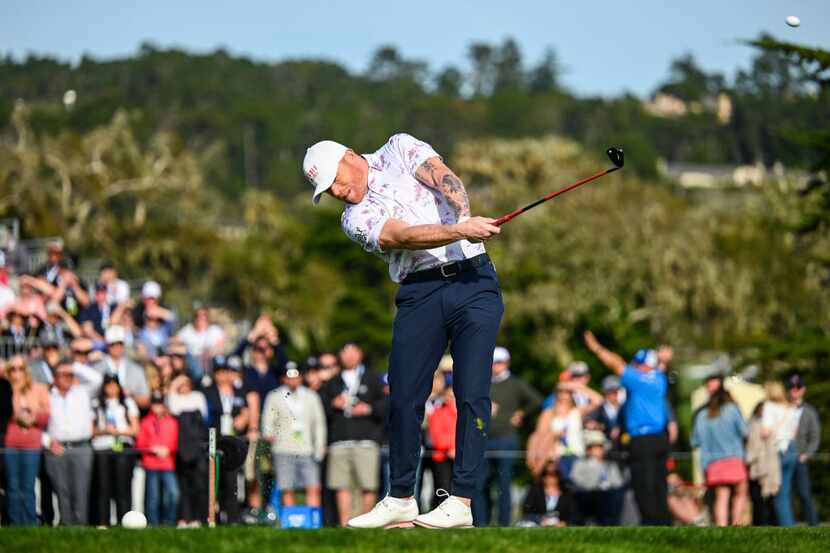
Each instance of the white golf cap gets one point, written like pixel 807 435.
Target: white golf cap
pixel 151 289
pixel 115 334
pixel 320 165
pixel 501 355
pixel 291 370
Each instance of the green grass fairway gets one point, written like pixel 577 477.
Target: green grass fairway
pixel 574 540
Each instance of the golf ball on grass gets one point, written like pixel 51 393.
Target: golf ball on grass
pixel 793 21
pixel 134 520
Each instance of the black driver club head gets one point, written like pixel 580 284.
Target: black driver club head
pixel 616 156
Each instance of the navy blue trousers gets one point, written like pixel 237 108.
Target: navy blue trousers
pixel 464 312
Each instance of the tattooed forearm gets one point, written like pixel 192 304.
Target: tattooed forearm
pixel 453 189
pixel 435 174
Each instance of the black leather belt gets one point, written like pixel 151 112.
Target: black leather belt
pixel 447 271
pixel 76 443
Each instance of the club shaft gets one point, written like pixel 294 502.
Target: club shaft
pixel 504 218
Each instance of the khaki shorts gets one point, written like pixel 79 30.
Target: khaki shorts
pixel 354 466
pixel 296 471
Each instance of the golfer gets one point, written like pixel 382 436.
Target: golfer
pixel 405 205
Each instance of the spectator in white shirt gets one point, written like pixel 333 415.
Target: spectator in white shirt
pixel 294 421
pixel 118 291
pixel 203 339
pixel 779 423
pixel 116 425
pixel 69 459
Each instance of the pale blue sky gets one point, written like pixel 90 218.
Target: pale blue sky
pixel 606 46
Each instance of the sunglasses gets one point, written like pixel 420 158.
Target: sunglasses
pixel 81 351
pixel 15 368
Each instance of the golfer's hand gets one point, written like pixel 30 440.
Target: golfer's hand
pixel 478 229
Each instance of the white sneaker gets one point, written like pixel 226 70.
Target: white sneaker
pixel 451 513
pixel 389 512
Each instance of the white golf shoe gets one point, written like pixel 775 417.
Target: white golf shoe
pixel 451 513
pixel 389 512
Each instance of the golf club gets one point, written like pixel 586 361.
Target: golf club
pixel 614 154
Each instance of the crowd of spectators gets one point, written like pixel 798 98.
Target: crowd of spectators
pixel 94 385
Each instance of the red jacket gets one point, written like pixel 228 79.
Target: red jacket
pixel 156 431
pixel 441 427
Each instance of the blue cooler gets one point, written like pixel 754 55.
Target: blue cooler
pixel 301 517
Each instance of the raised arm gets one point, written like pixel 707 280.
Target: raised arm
pixel 610 359
pixel 435 174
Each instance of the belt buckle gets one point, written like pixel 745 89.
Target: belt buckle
pixel 449 264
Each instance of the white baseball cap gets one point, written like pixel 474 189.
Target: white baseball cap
pixel 115 334
pixel 151 289
pixel 320 165
pixel 501 355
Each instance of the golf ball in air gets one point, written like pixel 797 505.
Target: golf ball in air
pixel 793 21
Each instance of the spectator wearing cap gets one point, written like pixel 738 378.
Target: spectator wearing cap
pixel 203 339
pixel 311 374
pixel 512 401
pixel 189 406
pixel 129 373
pixel 356 412
pixel 69 456
pixel 96 318
pixel 118 291
pixel 116 423
pixel 151 309
pixel 23 440
pixel 158 440
pixel 228 414
pixel 59 324
pixel 577 373
pixel 646 419
pixel 598 483
pixel 608 418
pixel 807 441
pixel 294 423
